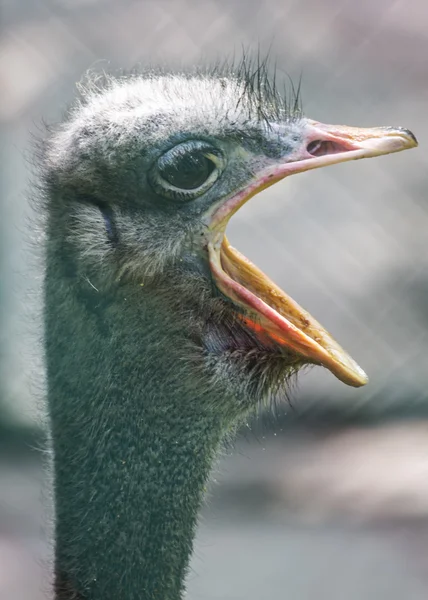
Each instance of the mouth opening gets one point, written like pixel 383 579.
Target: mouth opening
pixel 264 306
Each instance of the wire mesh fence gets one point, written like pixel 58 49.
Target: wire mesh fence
pixel 349 243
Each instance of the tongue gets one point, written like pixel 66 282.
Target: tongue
pixel 279 316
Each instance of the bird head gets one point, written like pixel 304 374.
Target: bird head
pixel 145 175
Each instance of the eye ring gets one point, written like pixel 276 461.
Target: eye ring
pixel 187 170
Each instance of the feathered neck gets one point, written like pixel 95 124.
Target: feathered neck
pixel 134 432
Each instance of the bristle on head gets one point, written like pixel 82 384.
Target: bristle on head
pixel 264 91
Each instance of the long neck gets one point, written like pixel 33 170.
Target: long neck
pixel 133 445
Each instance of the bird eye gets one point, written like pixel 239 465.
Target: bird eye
pixel 187 170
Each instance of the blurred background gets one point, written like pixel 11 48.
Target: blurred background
pixel 328 497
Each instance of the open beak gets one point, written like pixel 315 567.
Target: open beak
pixel 266 309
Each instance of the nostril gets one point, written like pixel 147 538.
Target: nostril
pixel 321 148
pixel 313 147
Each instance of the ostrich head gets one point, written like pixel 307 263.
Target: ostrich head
pixel 159 334
pixel 143 179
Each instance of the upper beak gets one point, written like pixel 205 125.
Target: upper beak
pixel 330 140
pixel 278 316
pixel 321 145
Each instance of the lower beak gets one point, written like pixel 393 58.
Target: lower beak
pixel 268 310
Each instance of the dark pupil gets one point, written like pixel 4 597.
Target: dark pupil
pixel 187 171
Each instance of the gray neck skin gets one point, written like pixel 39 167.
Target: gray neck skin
pixel 134 434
